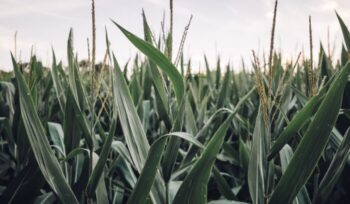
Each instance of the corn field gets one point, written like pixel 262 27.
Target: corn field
pixel 153 131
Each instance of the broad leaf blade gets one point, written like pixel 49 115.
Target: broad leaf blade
pixel 313 142
pixel 47 162
pixel 334 170
pixel 194 188
pixel 134 134
pixel 160 59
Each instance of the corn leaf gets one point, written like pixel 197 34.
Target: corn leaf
pixel 334 170
pixel 160 59
pixel 146 179
pixel 257 166
pixel 134 134
pixel 194 188
pixel 47 161
pixel 313 142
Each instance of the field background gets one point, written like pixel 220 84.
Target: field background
pixel 156 130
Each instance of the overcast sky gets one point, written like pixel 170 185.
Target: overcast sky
pixel 231 28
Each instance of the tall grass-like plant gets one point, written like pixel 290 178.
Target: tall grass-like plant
pixel 152 131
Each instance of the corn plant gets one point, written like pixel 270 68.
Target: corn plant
pixel 160 135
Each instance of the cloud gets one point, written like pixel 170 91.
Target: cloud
pixel 14 8
pixel 327 6
pixel 233 27
pixel 160 3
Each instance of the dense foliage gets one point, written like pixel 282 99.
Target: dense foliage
pixel 155 134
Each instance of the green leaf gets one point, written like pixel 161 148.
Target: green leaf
pixel 78 100
pixel 225 87
pixel 243 155
pixel 223 186
pixel 57 84
pixel 313 142
pixel 257 166
pixel 125 170
pixel 298 121
pixel 194 187
pixel 218 73
pixel 146 179
pixel 286 155
pixel 209 77
pixel 344 58
pixel 71 126
pixel 173 145
pixel 134 134
pixel 98 177
pixel 202 133
pixel 345 31
pixel 56 134
pixel 120 148
pixel 160 59
pixel 96 174
pixel 325 65
pixel 334 170
pixel 47 161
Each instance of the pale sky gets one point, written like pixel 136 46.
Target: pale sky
pixel 229 28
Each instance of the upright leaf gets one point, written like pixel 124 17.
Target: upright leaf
pixel 313 142
pixel 47 162
pixel 134 134
pixel 144 183
pixel 334 170
pixel 160 59
pixel 194 188
pixel 258 161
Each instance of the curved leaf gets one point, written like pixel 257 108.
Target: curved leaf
pixel 313 142
pixel 47 161
pixel 160 59
pixel 194 188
